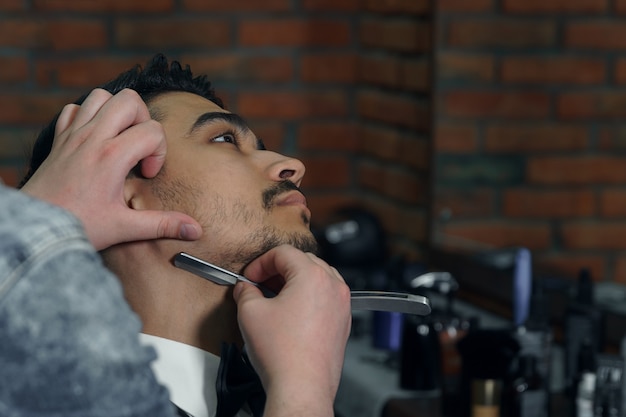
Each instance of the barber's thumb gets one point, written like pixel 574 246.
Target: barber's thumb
pixel 244 291
pixel 169 224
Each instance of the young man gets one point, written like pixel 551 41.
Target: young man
pixel 254 221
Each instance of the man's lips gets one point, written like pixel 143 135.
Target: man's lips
pixel 295 198
pixel 292 198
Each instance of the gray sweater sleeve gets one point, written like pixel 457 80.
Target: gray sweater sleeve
pixel 68 341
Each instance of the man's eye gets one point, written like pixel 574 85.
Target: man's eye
pixel 225 138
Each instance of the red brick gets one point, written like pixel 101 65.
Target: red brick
pixel 325 171
pixel 398 184
pixel 396 34
pixel 379 70
pixel 596 34
pixel 620 6
pixel 331 136
pixel 80 34
pixel 570 264
pixel 10 176
pixel 620 71
pixel 413 224
pixel 505 33
pixel 330 5
pixel 455 138
pixel 103 6
pixel 619 275
pixel 380 142
pixel 535 138
pixel 391 145
pixel 288 105
pixel 271 133
pixel 83 72
pixel 504 104
pixel 555 6
pixel 293 32
pixel 553 203
pixel 407 74
pixel 497 234
pixel 415 151
pixel 399 221
pixel 613 202
pixel 594 235
pixel 612 138
pixel 52 34
pixel 464 5
pixel 418 7
pixel 329 68
pixel 228 98
pixel 23 108
pixel 23 33
pixel 400 224
pixel 239 67
pixel 415 75
pixel 553 70
pixel 16 143
pixel 324 205
pixel 474 202
pixel 14 69
pixel 592 105
pixel 237 6
pixel 12 5
pixel 159 33
pixel 394 109
pixel 576 170
pixel 453 66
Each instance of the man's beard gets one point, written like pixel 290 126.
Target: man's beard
pixel 220 216
pixel 267 237
pixel 261 241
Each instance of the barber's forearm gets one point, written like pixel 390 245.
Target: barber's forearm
pixel 68 337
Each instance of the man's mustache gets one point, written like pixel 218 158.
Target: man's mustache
pixel 270 194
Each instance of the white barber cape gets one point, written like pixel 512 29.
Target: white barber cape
pixel 188 373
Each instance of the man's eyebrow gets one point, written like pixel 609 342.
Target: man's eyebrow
pixel 231 118
pixel 212 117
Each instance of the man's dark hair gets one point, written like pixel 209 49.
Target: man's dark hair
pixel 158 77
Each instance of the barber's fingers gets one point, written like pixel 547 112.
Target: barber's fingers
pixel 121 111
pixel 143 142
pixel 332 270
pixel 150 224
pixel 153 224
pixel 245 292
pixel 101 116
pixel 284 260
pixel 90 107
pixel 287 262
pixel 65 119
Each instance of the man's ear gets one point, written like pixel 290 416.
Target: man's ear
pixel 136 193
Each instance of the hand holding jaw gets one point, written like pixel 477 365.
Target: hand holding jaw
pixel 96 145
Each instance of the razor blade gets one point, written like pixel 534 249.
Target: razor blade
pixel 360 300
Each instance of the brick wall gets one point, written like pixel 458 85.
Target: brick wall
pixel 342 84
pixel 529 136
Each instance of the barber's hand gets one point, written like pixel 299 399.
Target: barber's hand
pixel 296 340
pixel 96 145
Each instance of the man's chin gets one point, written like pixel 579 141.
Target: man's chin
pixel 260 243
pixel 306 243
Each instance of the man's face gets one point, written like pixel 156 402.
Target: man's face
pixel 246 198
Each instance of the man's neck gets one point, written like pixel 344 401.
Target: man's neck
pixel 173 303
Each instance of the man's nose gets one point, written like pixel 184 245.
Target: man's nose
pixel 287 168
